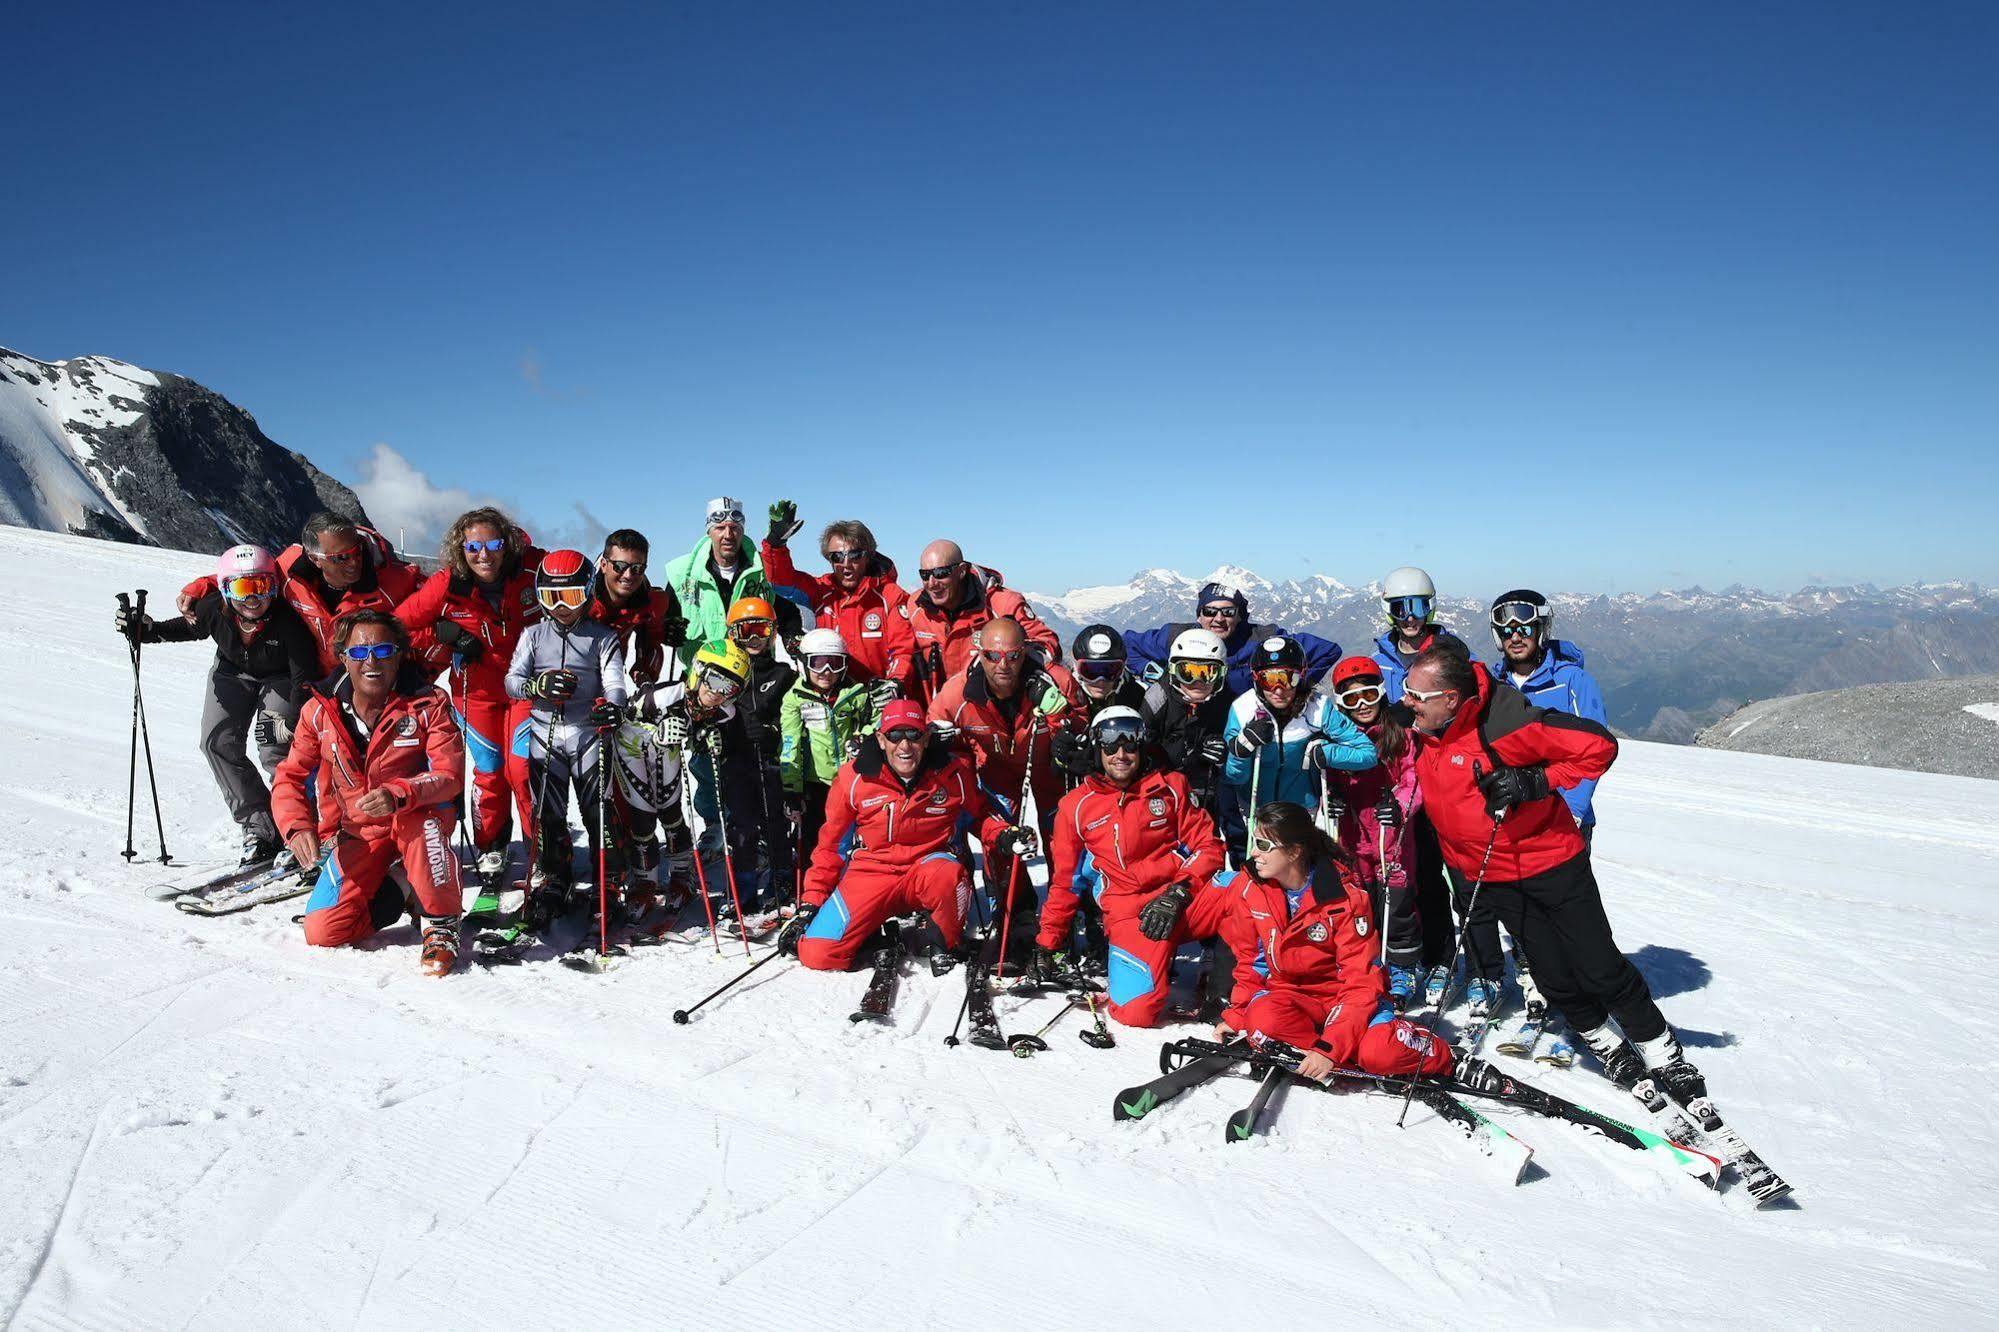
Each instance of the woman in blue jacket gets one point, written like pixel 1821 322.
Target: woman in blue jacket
pixel 1281 739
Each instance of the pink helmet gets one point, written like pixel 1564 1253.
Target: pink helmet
pixel 237 561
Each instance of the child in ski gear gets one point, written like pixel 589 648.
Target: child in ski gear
pixel 1223 610
pixel 563 667
pixel 1307 974
pixel 1282 740
pixel 646 619
pixel 957 600
pixel 1131 837
pixel 265 659
pixel 1492 767
pixel 886 848
pixel 858 598
pixel 824 720
pixel 759 717
pixel 719 571
pixel 476 607
pixel 337 566
pixel 1186 713
pixel 1377 807
pixel 382 748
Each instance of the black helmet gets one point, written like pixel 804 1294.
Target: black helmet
pixel 1098 642
pixel 1278 653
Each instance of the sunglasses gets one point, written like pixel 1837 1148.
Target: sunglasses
pixel 753 629
pixel 826 665
pixel 626 566
pixel 846 556
pixel 1360 695
pixel 496 545
pixel 1258 842
pixel 1125 736
pixel 1411 608
pixel 904 735
pixel 1278 677
pixel 1197 672
pixel 370 651
pixel 247 587
pixel 346 556
pixel 1514 630
pixel 1227 611
pixel 1423 695
pixel 1100 670
pixel 997 658
pixel 572 597
pixel 933 575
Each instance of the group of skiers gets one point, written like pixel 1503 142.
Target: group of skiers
pixel 1321 823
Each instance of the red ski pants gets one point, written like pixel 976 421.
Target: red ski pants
pixel 1140 970
pixel 498 765
pixel 866 897
pixel 341 909
pixel 1390 1046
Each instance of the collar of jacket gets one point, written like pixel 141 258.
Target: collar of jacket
pixel 1149 781
pixel 1471 713
pixel 978 691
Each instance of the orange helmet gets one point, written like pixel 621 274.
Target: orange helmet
pixel 752 616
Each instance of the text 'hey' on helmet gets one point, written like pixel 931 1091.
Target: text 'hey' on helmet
pixel 821 643
pixel 1278 653
pixel 242 572
pixel 1098 642
pixel 1521 606
pixel 724 658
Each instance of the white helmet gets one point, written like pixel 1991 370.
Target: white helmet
pixel 1198 645
pixel 821 643
pixel 1408 581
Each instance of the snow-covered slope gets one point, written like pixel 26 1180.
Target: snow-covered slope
pixel 208 1124
pixel 101 448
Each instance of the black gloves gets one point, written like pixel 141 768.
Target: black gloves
pixel 1048 965
pixel 673 630
pixel 1387 813
pixel 552 684
pixel 1074 753
pixel 1015 841
pixel 1211 750
pixel 794 930
pixel 1504 788
pixel 1257 732
pixel 1336 806
pixel 784 523
pixel 605 715
pixel 468 645
pixel 133 624
pixel 1157 918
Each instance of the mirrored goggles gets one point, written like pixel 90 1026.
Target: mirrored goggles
pixel 751 629
pixel 1126 733
pixel 1515 612
pixel 1278 677
pixel 845 556
pixel 1100 670
pixel 494 546
pixel 1411 608
pixel 1516 630
pixel 721 517
pixel 720 685
pixel 244 587
pixel 1196 672
pixel 572 597
pixel 370 651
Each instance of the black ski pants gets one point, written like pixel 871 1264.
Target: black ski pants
pixel 1557 918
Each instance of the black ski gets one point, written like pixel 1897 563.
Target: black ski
pixel 1242 1124
pixel 1140 1101
pixel 882 985
pixel 211 882
pixel 986 1032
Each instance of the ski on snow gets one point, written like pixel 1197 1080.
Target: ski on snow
pixel 1140 1101
pixel 1765 1185
pixel 885 979
pixel 1242 1124
pixel 209 881
pixel 240 893
pixel 1527 1035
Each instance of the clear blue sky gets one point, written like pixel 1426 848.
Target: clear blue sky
pixel 1670 293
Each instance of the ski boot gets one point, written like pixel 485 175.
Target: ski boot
pixel 257 849
pixel 1621 1064
pixel 1482 995
pixel 1666 1063
pixel 490 865
pixel 440 945
pixel 1403 983
pixel 1530 993
pixel 548 900
pixel 1435 983
pixel 1478 1074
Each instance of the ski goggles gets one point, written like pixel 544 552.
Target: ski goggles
pixel 1126 733
pixel 626 566
pixel 1278 677
pixel 904 735
pixel 247 587
pixel 370 651
pixel 755 630
pixel 1359 696
pixel 1515 612
pixel 1411 608
pixel 725 517
pixel 1100 670
pixel 1516 630
pixel 1196 672
pixel 572 597
pixel 826 664
pixel 720 684
pixel 493 546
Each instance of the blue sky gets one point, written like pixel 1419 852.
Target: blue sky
pixel 1617 297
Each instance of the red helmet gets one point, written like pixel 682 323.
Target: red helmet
pixel 1356 668
pixel 563 578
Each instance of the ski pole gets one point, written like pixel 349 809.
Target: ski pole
pixel 1020 812
pixel 965 1005
pixel 728 856
pixel 1255 781
pixel 1025 1046
pixel 1097 1035
pixel 146 738
pixel 1464 923
pixel 132 755
pixel 680 1015
pixel 700 871
pixel 603 852
pixel 1381 873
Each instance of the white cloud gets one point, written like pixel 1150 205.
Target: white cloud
pixel 407 507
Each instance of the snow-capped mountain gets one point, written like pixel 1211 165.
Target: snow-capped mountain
pixel 1669 661
pixel 101 448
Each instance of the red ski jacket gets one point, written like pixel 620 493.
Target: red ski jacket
pixel 1498 727
pixel 1141 838
pixel 642 618
pixel 1327 950
pixel 894 824
pixel 446 596
pixel 943 636
pixel 869 620
pixel 387 582
pixel 996 737
pixel 414 753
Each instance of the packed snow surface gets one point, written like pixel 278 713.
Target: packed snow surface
pixel 208 1124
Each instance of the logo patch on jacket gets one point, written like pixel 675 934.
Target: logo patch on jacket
pixel 1316 931
pixel 407 726
pixel 872 620
pixel 1360 926
pixel 1157 805
pixel 939 797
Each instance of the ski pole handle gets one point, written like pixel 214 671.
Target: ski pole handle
pixel 142 601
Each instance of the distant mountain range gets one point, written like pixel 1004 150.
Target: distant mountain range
pixel 100 448
pixel 1670 662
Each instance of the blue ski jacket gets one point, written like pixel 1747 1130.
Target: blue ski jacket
pixel 1561 682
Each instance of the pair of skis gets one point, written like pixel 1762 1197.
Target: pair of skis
pixel 227 892
pixel 1525 1041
